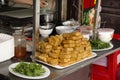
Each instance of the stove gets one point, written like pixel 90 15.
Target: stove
pixel 6 24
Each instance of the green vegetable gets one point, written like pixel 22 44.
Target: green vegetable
pixel 29 69
pixel 98 44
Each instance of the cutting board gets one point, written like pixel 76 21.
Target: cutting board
pixel 23 13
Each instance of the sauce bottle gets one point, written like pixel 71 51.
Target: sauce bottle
pixel 20 43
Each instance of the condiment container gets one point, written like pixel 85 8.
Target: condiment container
pixel 20 44
pixel 86 35
pixel 105 34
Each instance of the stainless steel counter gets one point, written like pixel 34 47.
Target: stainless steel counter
pixel 56 74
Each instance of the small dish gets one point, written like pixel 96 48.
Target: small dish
pixel 63 29
pixel 46 74
pixel 71 23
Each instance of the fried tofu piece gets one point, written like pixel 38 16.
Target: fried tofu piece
pixel 68 41
pixel 68 45
pixel 64 56
pixel 67 49
pixel 54 55
pixel 62 60
pixel 53 61
pixel 43 57
pixel 64 64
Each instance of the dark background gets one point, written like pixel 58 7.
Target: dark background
pixel 111 14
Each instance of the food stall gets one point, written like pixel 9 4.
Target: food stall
pixel 56 73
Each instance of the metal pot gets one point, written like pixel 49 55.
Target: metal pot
pixel 48 17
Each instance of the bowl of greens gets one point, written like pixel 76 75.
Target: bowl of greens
pixel 98 45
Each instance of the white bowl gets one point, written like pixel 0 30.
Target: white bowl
pixel 72 23
pixel 63 29
pixel 46 29
pixel 105 34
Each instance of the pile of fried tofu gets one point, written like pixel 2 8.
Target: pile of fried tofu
pixel 64 49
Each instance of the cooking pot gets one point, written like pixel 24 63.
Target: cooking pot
pixel 47 16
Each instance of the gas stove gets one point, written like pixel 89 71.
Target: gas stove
pixel 7 24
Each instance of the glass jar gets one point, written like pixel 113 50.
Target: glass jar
pixel 20 44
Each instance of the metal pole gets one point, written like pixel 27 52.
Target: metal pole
pixel 64 10
pixel 80 11
pixel 36 22
pixel 96 19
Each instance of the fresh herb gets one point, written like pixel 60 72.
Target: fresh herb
pixel 29 69
pixel 98 44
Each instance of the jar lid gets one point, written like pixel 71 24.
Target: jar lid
pixel 19 30
pixel 16 28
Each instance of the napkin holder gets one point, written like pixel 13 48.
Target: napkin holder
pixel 6 47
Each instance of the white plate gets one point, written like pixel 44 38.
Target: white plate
pixel 60 67
pixel 46 74
pixel 111 46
